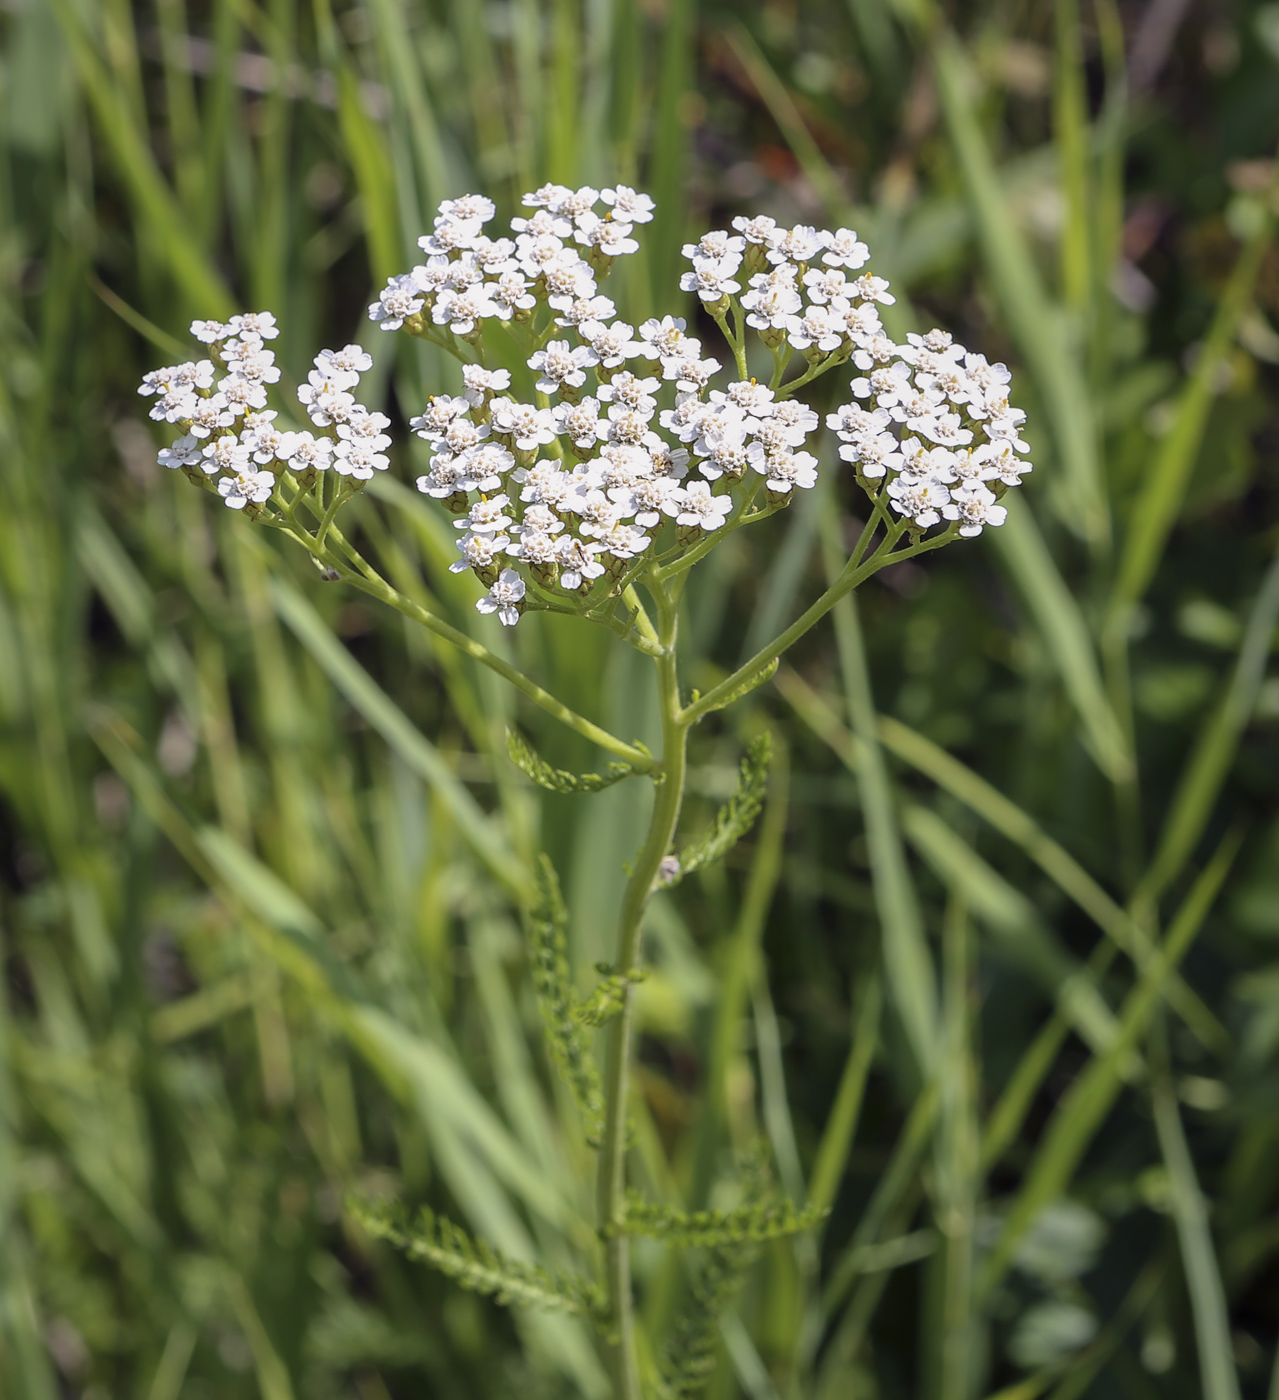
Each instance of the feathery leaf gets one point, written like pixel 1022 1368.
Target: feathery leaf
pixel 735 818
pixel 475 1264
pixel 534 766
pixel 566 1036
pixel 759 1220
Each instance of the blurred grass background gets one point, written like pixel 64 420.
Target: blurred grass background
pixel 261 841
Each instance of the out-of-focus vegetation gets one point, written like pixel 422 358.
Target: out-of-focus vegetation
pixel 255 952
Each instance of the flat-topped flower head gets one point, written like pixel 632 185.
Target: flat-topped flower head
pixel 626 458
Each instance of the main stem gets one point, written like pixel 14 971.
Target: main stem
pixel 611 1183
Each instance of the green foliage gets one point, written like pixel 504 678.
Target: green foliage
pixel 534 766
pixel 739 692
pixel 474 1263
pixel 607 997
pixel 565 1032
pixel 736 817
pixel 692 1352
pixel 764 1219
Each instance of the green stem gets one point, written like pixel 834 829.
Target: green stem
pixel 849 578
pixel 611 1182
pixel 369 581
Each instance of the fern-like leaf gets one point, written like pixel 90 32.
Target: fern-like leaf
pixel 534 766
pixel 733 820
pixel 766 673
pixel 607 998
pixel 691 1351
pixel 476 1264
pixel 759 1220
pixel 566 1037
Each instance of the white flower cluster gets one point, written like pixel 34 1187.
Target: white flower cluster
pixel 229 433
pixel 632 432
pixel 468 277
pixel 962 438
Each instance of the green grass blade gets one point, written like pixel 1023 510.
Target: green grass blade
pixel 908 965
pixel 1066 638
pixel 1209 763
pixel 389 720
pixel 1090 1098
pixel 1156 508
pixel 1035 322
pixel 1208 1305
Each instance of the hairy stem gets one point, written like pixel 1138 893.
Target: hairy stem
pixel 611 1182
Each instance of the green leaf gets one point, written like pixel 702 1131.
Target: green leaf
pixel 566 1037
pixel 692 1351
pixel 766 1219
pixel 475 1264
pixel 535 767
pixel 736 817
pixel 752 682
pixel 607 999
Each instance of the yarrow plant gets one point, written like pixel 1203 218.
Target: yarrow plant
pixel 630 454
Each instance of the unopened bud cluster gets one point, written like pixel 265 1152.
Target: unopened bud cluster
pixel 637 444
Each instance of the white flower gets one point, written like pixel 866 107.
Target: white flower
pixel 1002 462
pixel 578 564
pixel 461 310
pixel 629 389
pixel 481 383
pixel 529 427
pixel 256 325
pixel 800 244
pixel 689 373
pixel 825 284
pixel 890 385
pixel 251 360
pixel 685 419
pixel 207 415
pixel 543 482
pixel 871 288
pixel 843 249
pixel 975 505
pixel 568 281
pixel 479 552
pixel 225 454
pixel 580 423
pixel 185 452
pixel 183 378
pixel 536 546
pixel 306 452
pixel 462 434
pixel 325 401
pixel 623 464
pixel 559 364
pixel 630 426
pixel 595 308
pixel 716 244
pixel 441 409
pixel 486 517
pixel 628 204
pixel 487 464
pixel 550 197
pixel 509 294
pixel 817 327
pixel 874 454
pixel 712 278
pixel 209 332
pixel 921 501
pixel 367 428
pixel 358 459
pixel 237 491
pixel 944 428
pixel 263 439
pixel 624 541
pixel 754 399
pixel 492 256
pixel 612 238
pixel 468 208
pixel 240 394
pixel 876 350
pixel 864 328
pixel 613 345
pixel 431 277
pixel 760 230
pixel 541 519
pixel 344 366
pixel 450 235
pixel 852 421
pixel 649 499
pixel 659 339
pixel 448 475
pixel 768 307
pixel 399 298
pixel 597 512
pixel 785 469
pixel 702 509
